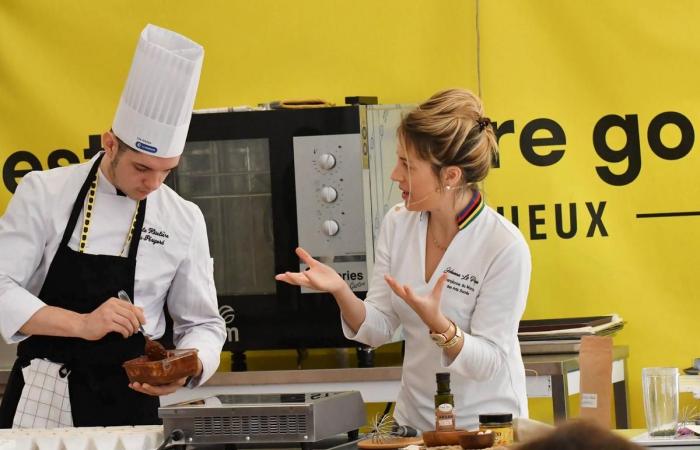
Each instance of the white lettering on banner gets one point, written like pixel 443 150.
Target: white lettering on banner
pixel 229 314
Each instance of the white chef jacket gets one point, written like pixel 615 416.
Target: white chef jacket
pixel 173 262
pixel 488 265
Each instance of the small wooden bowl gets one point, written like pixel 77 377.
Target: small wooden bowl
pixel 180 363
pixel 440 438
pixel 474 440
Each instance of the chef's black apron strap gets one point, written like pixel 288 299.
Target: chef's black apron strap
pixel 138 226
pixel 81 282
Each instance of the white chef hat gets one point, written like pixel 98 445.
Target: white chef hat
pixel 156 106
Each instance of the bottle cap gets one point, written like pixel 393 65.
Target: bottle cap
pixel 442 377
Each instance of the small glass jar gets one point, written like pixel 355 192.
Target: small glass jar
pixel 501 424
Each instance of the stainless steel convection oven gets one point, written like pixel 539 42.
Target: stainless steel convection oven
pixel 269 181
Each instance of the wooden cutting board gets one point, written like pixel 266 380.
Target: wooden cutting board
pixel 389 443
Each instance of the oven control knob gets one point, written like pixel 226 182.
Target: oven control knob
pixel 329 194
pixel 330 227
pixel 326 161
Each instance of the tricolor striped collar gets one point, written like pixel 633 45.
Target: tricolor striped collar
pixel 469 213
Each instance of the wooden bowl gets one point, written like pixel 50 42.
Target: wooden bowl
pixel 439 438
pixel 180 363
pixel 473 440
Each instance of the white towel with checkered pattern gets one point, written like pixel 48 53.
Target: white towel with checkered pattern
pixel 45 401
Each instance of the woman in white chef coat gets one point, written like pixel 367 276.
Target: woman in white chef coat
pixel 447 267
pixel 74 236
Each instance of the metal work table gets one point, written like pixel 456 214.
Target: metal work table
pixel 548 376
pixel 551 376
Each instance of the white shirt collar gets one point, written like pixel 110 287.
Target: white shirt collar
pixel 104 186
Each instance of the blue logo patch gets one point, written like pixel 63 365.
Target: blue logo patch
pixel 146 147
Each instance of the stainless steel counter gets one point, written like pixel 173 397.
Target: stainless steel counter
pixel 306 376
pixel 551 376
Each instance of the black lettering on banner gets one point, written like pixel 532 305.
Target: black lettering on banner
pixel 62 154
pixel 535 221
pixel 528 142
pixel 687 135
pixel 630 151
pixel 11 174
pixel 559 220
pixel 596 219
pixel 499 130
pixel 94 146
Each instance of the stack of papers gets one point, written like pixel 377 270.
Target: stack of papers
pixel 564 335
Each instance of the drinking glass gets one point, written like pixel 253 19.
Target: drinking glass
pixel 660 389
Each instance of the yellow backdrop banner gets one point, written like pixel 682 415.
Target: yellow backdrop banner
pixel 597 107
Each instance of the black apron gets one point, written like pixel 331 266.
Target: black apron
pixel 80 282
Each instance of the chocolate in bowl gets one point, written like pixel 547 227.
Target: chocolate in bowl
pixel 154 350
pixel 179 363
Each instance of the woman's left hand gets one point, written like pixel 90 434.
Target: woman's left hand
pixel 161 389
pixel 427 307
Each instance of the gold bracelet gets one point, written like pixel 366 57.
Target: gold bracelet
pixel 455 339
pixel 449 325
pixel 441 338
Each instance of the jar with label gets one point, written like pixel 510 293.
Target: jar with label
pixel 445 418
pixel 499 423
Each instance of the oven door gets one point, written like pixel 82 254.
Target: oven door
pixel 239 168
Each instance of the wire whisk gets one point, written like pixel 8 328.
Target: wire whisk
pixel 381 428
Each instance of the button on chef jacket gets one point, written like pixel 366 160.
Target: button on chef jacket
pixel 173 262
pixel 488 276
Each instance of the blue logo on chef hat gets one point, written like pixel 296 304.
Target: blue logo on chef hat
pixel 145 147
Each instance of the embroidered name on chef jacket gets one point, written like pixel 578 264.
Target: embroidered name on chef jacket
pixel 463 283
pixel 154 236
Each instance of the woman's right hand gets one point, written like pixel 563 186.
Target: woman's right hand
pixel 318 276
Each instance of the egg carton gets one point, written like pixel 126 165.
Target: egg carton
pixel 85 438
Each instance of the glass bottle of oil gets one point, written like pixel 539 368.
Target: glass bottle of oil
pixel 444 403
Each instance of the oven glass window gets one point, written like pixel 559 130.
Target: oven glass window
pixel 230 181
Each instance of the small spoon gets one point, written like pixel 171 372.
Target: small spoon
pixel 124 296
pixel 154 350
